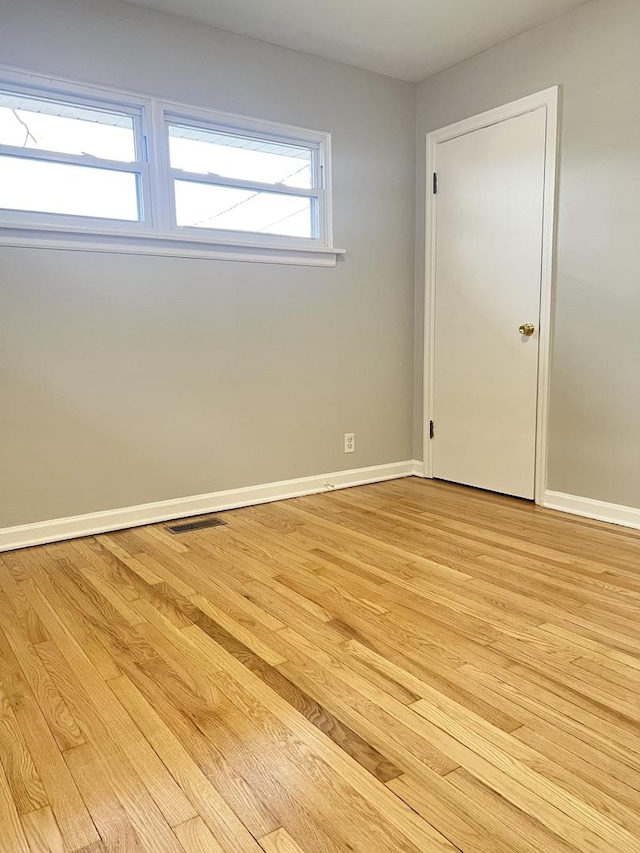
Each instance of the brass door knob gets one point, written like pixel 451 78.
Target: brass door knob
pixel 527 329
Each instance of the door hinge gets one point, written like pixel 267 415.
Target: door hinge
pixel 431 430
pixel 435 183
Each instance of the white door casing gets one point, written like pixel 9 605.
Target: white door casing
pixel 489 269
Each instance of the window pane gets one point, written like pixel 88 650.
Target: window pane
pixel 208 152
pixel 209 206
pixel 28 122
pixel 39 186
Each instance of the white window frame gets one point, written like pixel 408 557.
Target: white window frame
pixel 157 232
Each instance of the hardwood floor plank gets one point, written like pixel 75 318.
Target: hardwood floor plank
pixel 12 837
pixel 606 757
pixel 125 558
pixel 609 672
pixel 42 832
pixel 97 847
pixel 573 718
pixel 97 788
pixel 22 777
pixel 238 629
pixel 502 816
pixel 579 802
pixel 195 837
pixel 62 794
pixel 441 804
pixel 401 828
pixel 14 562
pixel 211 806
pixel 527 792
pixel 23 661
pixel 168 566
pixel 422 687
pixel 280 842
pixel 106 723
pixel 330 725
pixel 28 620
pixel 357 702
pixel 570 768
pixel 60 616
pixel 107 757
pixel 251 782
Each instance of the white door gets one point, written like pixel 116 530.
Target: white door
pixel 488 244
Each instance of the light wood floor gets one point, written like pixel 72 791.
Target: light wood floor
pixel 408 666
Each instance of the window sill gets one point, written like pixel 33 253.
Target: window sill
pixel 170 247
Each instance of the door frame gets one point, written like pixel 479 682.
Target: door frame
pixel 549 99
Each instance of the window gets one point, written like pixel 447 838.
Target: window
pixel 63 159
pixel 114 172
pixel 243 183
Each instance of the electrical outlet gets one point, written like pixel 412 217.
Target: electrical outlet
pixel 349 442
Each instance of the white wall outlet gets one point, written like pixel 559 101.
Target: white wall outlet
pixel 349 442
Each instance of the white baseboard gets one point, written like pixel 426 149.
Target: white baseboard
pixel 628 516
pixel 42 532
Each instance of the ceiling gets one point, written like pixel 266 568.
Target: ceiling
pixel 408 39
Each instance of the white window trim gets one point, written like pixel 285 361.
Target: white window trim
pixel 158 235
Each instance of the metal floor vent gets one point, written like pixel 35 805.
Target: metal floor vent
pixel 195 525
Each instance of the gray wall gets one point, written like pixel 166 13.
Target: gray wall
pixel 594 53
pixel 132 379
